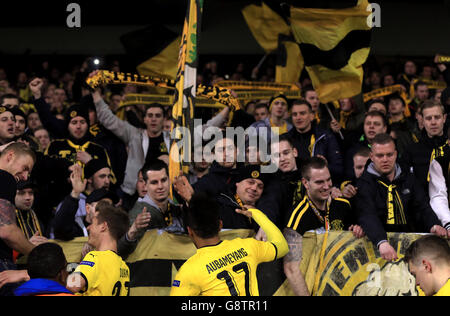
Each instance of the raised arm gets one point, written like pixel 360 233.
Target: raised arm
pixel 273 234
pixel 110 121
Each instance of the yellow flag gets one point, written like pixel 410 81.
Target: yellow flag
pixel 335 43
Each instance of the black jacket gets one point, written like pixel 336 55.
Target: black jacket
pixel 217 180
pixel 371 205
pixel 418 156
pixel 228 215
pixel 325 145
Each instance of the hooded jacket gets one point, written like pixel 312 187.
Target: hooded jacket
pixel 371 204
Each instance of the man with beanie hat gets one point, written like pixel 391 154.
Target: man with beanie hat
pixel 21 121
pixel 73 141
pixel 243 191
pixel 276 123
pixel 70 216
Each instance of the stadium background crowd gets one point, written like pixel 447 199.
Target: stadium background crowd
pixel 87 149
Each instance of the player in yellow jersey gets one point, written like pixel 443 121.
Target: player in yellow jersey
pixel 228 267
pixel 103 272
pixel 428 260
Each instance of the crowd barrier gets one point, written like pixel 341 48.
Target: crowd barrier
pixel 334 264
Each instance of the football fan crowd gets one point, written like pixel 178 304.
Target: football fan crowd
pixel 73 158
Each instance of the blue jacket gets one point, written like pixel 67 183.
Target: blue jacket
pixel 40 287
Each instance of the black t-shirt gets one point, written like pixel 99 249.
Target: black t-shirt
pixel 8 188
pixel 156 147
pixel 303 218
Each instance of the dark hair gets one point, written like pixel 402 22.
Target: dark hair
pixel 306 89
pixel 371 102
pixel 202 215
pixel 302 102
pixel 397 96
pixel 313 163
pixel 8 96
pixel 377 114
pixel 46 261
pixel 432 246
pixel 262 105
pixel 286 138
pixel 155 165
pixel 419 83
pixel 382 139
pixel 156 105
pixel 115 217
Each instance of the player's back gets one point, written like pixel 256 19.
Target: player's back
pixel 106 274
pixel 228 268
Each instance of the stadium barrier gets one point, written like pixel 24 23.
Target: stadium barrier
pixel 334 264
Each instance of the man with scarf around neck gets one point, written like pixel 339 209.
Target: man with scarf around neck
pixel 317 210
pixel 419 155
pixel 285 189
pixel 310 140
pixel 73 141
pixel 390 199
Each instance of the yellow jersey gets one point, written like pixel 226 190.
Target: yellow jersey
pixel 105 273
pixel 445 290
pixel 227 269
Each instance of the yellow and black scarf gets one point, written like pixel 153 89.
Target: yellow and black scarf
pixel 396 212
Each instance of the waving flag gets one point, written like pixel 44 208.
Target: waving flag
pixel 335 43
pixel 185 92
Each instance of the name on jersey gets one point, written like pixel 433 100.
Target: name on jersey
pixel 124 273
pixel 226 260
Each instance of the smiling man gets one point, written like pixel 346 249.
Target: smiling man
pixel 16 162
pixel 317 210
pixel 157 209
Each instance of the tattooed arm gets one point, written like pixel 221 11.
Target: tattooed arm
pixel 292 263
pixel 10 233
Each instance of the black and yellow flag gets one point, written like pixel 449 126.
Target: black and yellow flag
pixel 154 50
pixel 273 34
pixel 335 43
pixel 185 92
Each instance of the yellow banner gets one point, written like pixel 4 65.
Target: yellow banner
pixel 251 85
pixel 334 264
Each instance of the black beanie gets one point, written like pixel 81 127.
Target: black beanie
pixel 77 110
pixel 93 166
